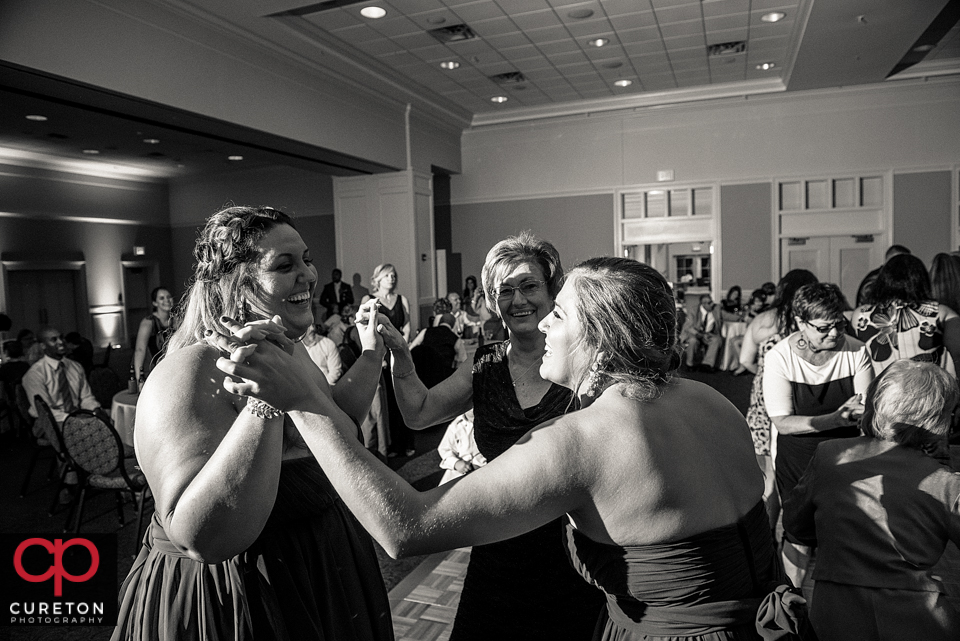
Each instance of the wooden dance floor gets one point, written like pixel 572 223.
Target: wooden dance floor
pixel 425 602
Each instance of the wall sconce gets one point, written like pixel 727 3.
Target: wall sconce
pixel 139 250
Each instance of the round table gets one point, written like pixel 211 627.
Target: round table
pixel 123 412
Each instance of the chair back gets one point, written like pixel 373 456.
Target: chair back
pixel 49 426
pixel 23 404
pixel 92 443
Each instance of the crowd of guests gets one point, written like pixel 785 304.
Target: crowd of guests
pixel 604 495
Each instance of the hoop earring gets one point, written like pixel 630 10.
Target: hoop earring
pixel 801 342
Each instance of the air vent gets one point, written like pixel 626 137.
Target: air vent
pixel 726 49
pixel 509 78
pixel 453 33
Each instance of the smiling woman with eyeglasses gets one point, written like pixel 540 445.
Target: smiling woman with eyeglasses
pixel 813 384
pixel 521 588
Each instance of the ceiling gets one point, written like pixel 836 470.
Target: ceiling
pixel 535 54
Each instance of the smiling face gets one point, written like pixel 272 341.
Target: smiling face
pixel 163 301
pixel 53 345
pixel 567 358
pixel 287 278
pixel 454 299
pixel 387 281
pixel 521 313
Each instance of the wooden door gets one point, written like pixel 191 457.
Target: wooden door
pixel 138 281
pixel 851 258
pixel 811 253
pixel 45 297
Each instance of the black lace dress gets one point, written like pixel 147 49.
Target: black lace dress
pixel 525 587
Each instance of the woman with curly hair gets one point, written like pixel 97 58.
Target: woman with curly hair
pixel 249 539
pixel 654 477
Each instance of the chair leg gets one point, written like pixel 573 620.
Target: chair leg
pixel 26 479
pixel 79 507
pixel 56 494
pixel 119 496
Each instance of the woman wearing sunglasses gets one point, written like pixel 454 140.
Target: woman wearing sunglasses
pixel 524 587
pixel 813 385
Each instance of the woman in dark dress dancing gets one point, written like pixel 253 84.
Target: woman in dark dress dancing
pixel 654 478
pixel 527 581
pixel 249 539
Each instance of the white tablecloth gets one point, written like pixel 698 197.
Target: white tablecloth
pixel 730 359
pixel 123 412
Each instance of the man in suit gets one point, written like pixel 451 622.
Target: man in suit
pixel 336 294
pixel 703 329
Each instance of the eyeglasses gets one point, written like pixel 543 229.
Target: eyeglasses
pixel 840 325
pixel 527 288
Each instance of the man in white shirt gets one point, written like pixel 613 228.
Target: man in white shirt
pixel 57 380
pixel 703 330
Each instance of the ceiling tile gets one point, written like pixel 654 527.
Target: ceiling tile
pixel 569 5
pixel 508 41
pixel 563 59
pixel 494 27
pixel 666 4
pixel 631 21
pixel 413 6
pixel 562 46
pixel 689 65
pixel 680 13
pixel 714 8
pixel 520 53
pixel 359 33
pixel 620 7
pixel 400 60
pixel 585 28
pixel 685 42
pixel 416 41
pixel 433 53
pixel 550 34
pixel 536 20
pixel 645 34
pixel 380 47
pixel 767 44
pixel 469 48
pixel 435 19
pixel 396 27
pixel 727 35
pixel 790 7
pixel 732 21
pixel 532 64
pixel 694 53
pixel 643 48
pixel 681 29
pixel 576 68
pixel 565 11
pixel 523 6
pixel 336 19
pixel 478 11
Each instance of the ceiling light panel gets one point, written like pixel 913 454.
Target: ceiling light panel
pixel 373 12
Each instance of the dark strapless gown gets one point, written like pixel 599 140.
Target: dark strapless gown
pixel 312 574
pixel 707 587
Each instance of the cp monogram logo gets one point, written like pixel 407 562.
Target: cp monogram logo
pixel 56 570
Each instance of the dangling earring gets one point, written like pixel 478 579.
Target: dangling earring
pixel 242 311
pixel 595 381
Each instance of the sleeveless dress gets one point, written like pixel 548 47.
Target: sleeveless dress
pixel 401 437
pixel 311 574
pixel 708 586
pixel 757 418
pixel 903 331
pixel 523 588
pixel 159 335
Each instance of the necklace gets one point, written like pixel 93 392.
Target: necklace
pixel 526 371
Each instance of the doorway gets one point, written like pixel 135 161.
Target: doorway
pixel 47 297
pixel 139 279
pixel 843 260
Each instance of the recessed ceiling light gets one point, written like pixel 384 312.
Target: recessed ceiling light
pixel 499 99
pixel 599 42
pixel 918 49
pixel 764 66
pixel 235 158
pixel 36 118
pixel 449 64
pixel 152 141
pixel 436 20
pixel 580 14
pixel 91 152
pixel 773 16
pixel 373 12
pixel 623 83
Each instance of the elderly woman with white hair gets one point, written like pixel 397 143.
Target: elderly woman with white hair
pixel 880 509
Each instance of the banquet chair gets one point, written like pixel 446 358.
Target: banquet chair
pixel 97 452
pixel 50 430
pixel 104 383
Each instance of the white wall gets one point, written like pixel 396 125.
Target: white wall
pixel 908 124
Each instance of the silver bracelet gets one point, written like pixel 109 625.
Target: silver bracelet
pixel 262 410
